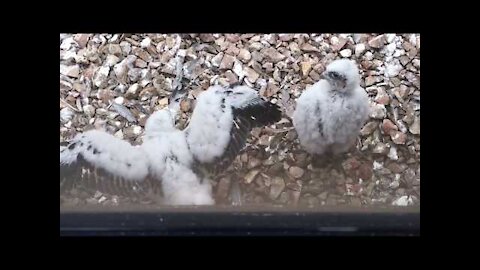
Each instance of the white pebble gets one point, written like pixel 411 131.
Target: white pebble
pixel 346 53
pixel 399 53
pixel 146 42
pixel 369 56
pixel 377 165
pixel 119 100
pixel 413 39
pixel 359 49
pixel 137 130
pixel 403 201
pixel 67 43
pixel 390 37
pixel 119 134
pixel 393 153
pixel 66 114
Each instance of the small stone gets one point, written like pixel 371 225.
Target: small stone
pixel 403 201
pixel 207 37
pixel 232 37
pixel 140 63
pixel 394 184
pixel 296 172
pixel 126 47
pixel 382 97
pixel 251 74
pixel 377 42
pixel 238 69
pixel 415 127
pixel 273 55
pixel 163 102
pixel 416 63
pixel 66 114
pixel 142 120
pixel 250 176
pixel 119 100
pixel 368 128
pixel 392 69
pixel 350 165
pixel 89 110
pixel 105 95
pixel 271 90
pixel 370 80
pixel 412 52
pixel 137 130
pixel 227 62
pixel 216 60
pixel 112 60
pixel 134 74
pixel 404 60
pixel 257 56
pixel 231 77
pixel 70 71
pixel 400 92
pixel 67 43
pixel 398 137
pixel 314 75
pixel 133 91
pixel 388 126
pixel 294 48
pixel 232 50
pixel 132 132
pixel 264 140
pixel 119 134
pixel 306 67
pixel 255 46
pixel 185 105
pixel 82 39
pixel 359 49
pixel 244 55
pixel 114 49
pixel 145 42
pixel 365 171
pixel 346 53
pixel 366 65
pixel 360 38
pixel 396 167
pixel 338 43
pixel 377 111
pixel 143 54
pixel 253 162
pixel 392 154
pixel 101 77
pixel 276 187
pixel 307 47
pixel 285 37
pixel 268 67
pixel 380 148
pixel 400 191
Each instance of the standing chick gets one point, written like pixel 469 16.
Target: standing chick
pixel 330 113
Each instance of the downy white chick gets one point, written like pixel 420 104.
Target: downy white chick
pixel 330 113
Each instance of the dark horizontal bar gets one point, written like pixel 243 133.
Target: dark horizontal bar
pixel 224 223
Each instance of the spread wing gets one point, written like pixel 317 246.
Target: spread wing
pixel 257 113
pixel 222 122
pixel 99 161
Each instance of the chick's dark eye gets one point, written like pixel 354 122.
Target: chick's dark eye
pixel 335 75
